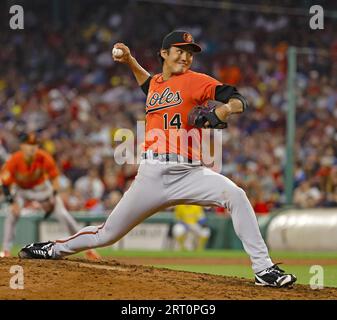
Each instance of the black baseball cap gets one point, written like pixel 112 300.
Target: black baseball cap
pixel 28 138
pixel 180 38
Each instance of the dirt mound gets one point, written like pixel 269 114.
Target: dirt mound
pixel 79 279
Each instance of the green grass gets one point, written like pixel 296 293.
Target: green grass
pixel 207 254
pixel 214 254
pixel 302 271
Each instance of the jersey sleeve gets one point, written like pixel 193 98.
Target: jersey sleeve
pixel 7 170
pixel 203 87
pixel 50 166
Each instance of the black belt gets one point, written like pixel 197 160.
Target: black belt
pixel 167 157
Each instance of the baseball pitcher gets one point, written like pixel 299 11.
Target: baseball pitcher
pixel 171 172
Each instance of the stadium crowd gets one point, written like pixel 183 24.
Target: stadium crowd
pixel 57 78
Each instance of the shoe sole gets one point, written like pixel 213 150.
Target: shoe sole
pixel 289 283
pixel 284 285
pixel 23 255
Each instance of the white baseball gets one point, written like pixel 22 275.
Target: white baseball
pixel 117 53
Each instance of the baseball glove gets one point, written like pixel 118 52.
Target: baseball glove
pixel 199 115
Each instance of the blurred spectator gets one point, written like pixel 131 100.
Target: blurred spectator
pixel 111 199
pixel 331 189
pixel 191 221
pixel 307 196
pixel 91 188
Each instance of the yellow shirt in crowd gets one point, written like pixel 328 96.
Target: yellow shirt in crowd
pixel 189 214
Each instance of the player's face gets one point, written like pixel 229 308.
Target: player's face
pixel 178 60
pixel 28 150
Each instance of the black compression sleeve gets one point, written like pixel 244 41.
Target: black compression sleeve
pixel 224 92
pixel 145 86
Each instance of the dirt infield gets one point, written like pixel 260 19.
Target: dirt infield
pixel 109 279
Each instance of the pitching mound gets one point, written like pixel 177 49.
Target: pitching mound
pixel 108 279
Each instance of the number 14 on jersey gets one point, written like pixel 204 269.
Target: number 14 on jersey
pixel 175 121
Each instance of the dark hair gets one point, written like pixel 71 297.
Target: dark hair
pixel 28 138
pixel 160 58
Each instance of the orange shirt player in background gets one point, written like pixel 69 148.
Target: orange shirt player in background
pixel 31 174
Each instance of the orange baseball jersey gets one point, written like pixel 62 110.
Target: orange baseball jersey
pixel 16 170
pixel 167 107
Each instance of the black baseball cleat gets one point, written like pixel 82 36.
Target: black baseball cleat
pixel 274 277
pixel 39 250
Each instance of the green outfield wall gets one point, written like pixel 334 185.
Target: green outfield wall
pixel 289 230
pixel 33 227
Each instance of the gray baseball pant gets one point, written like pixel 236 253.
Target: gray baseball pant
pixel 159 185
pixel 39 193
